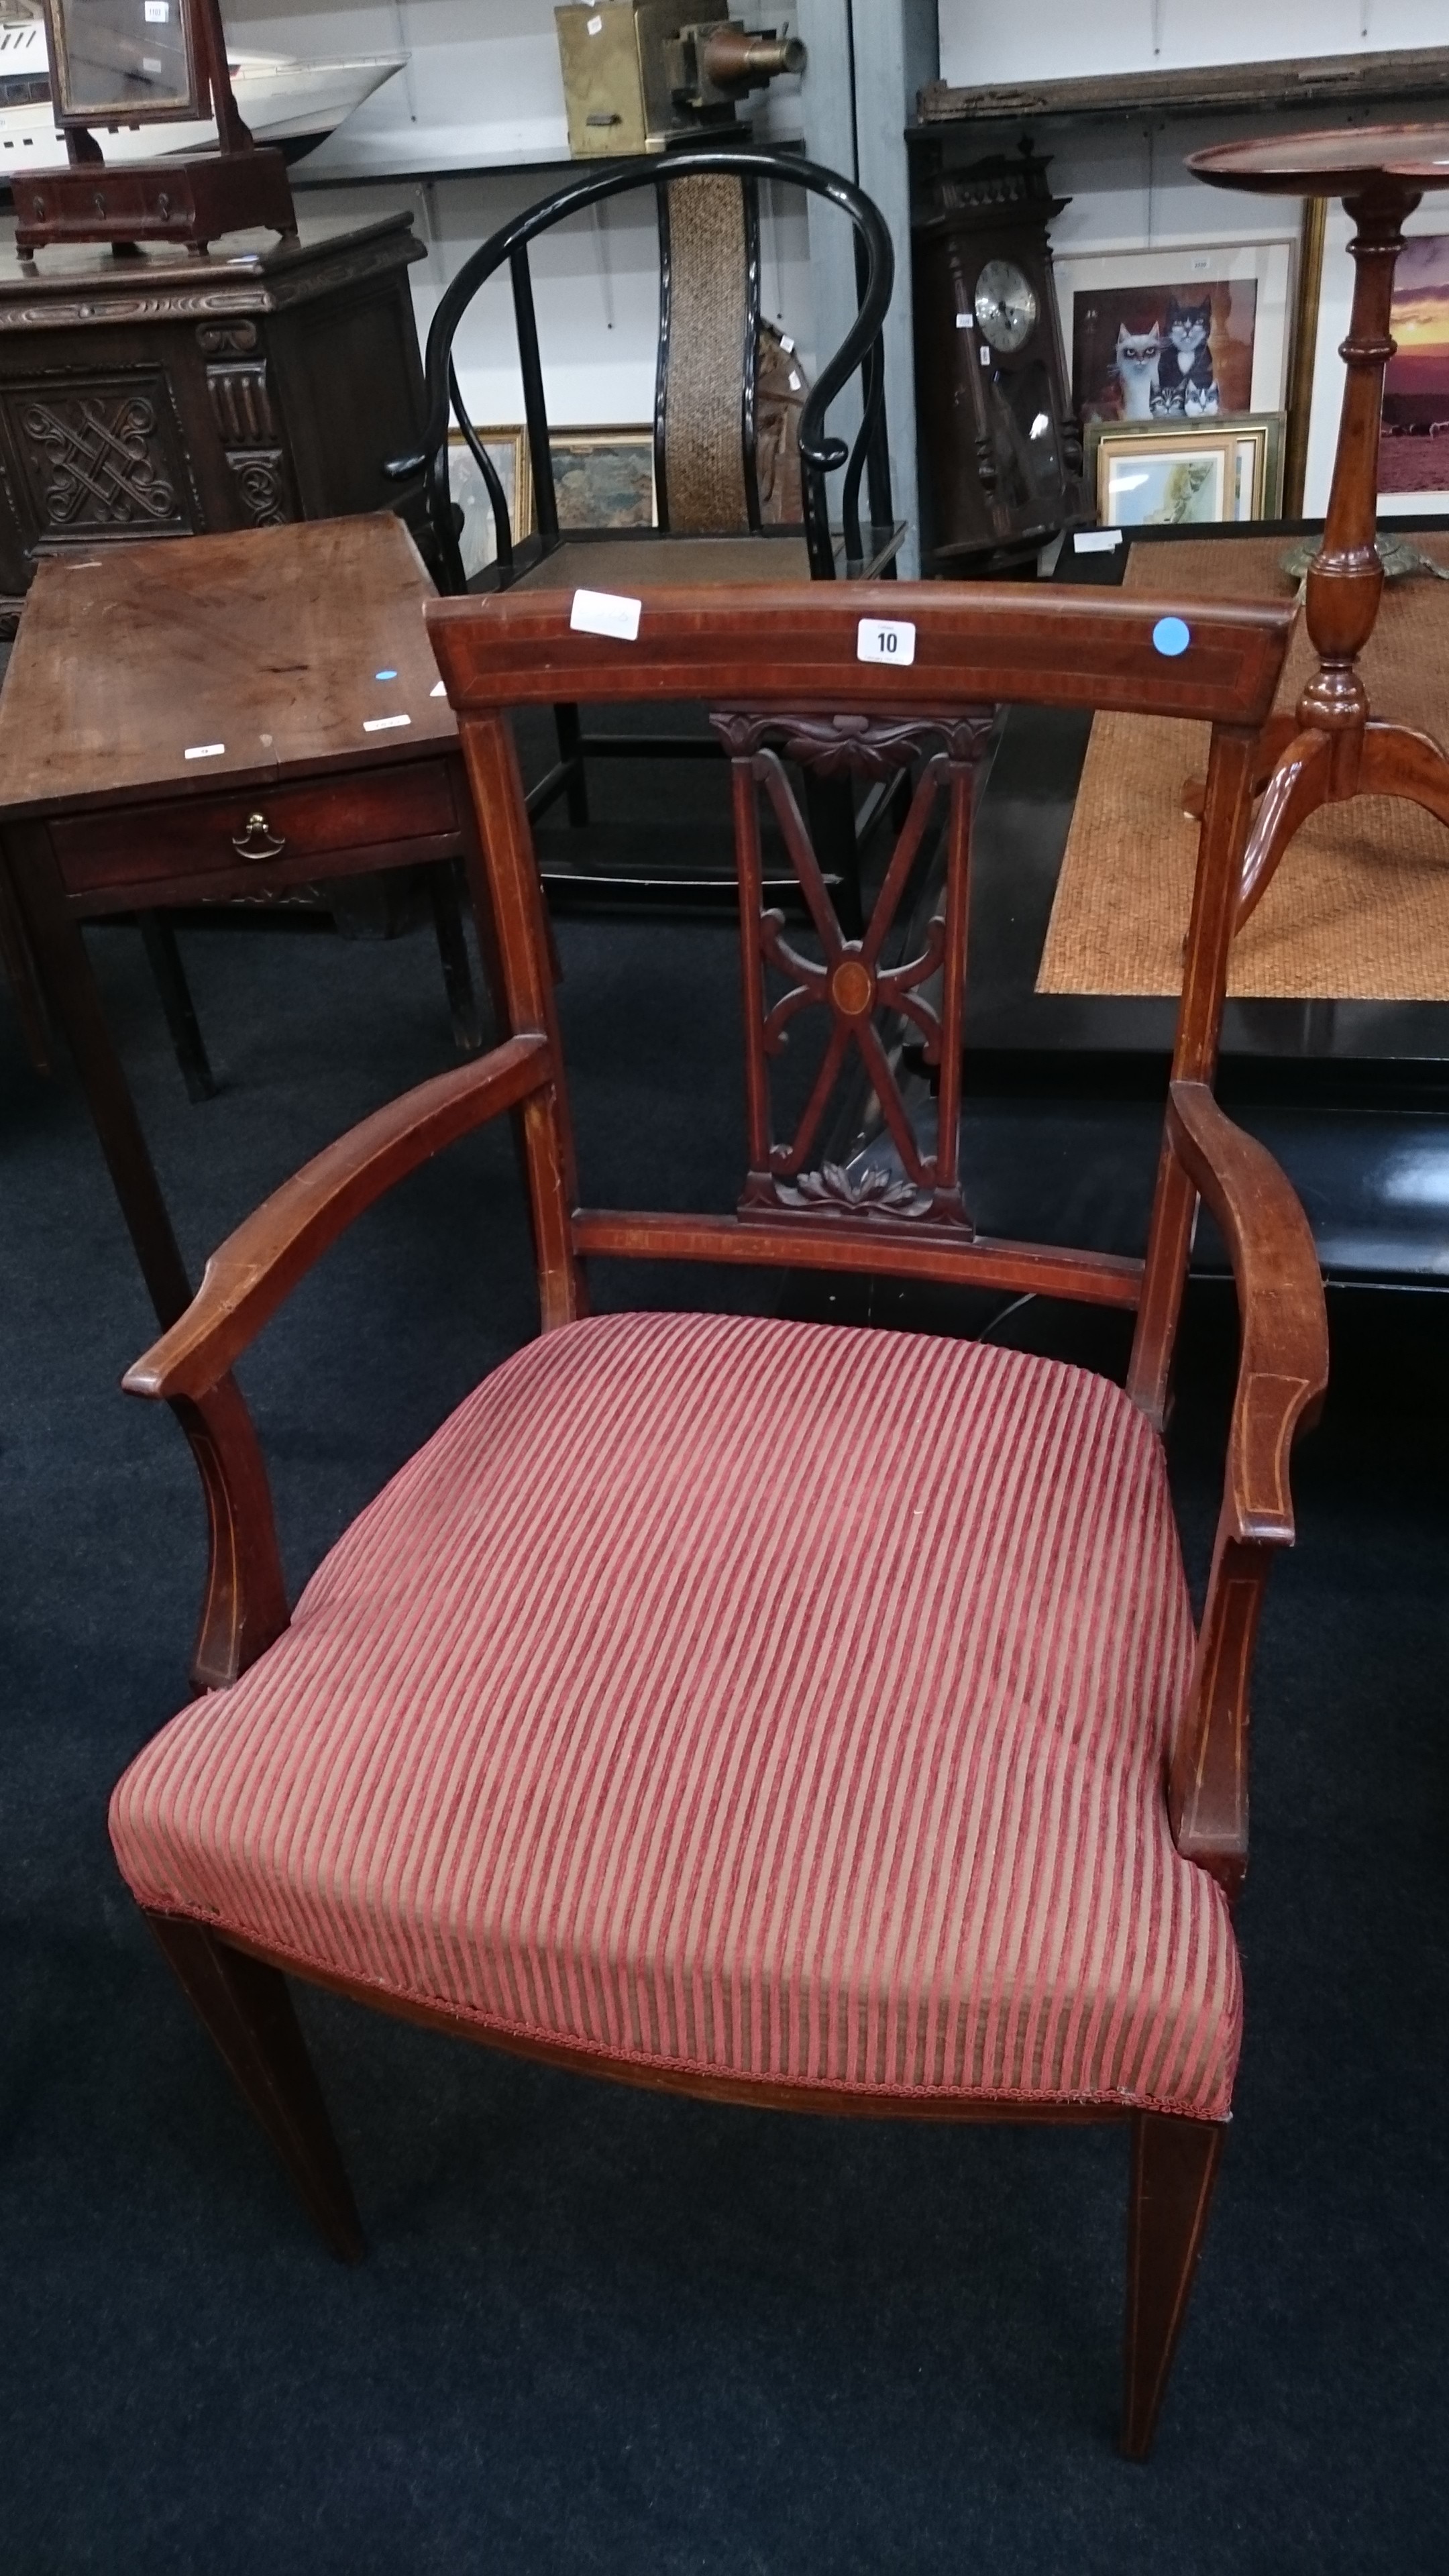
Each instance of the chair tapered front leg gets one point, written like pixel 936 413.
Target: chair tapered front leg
pixel 1174 2168
pixel 249 2013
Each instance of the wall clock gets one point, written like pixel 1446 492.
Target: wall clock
pixel 1003 453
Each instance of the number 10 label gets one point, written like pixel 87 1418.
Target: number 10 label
pixel 885 639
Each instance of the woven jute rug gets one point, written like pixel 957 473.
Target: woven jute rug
pixel 1359 908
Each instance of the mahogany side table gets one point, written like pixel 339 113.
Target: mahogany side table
pixel 187 721
pixel 1334 748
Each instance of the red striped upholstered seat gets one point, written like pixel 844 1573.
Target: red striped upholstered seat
pixel 773 1699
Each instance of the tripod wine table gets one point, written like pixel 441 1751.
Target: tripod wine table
pixel 1333 747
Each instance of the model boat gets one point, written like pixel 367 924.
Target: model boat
pixel 294 104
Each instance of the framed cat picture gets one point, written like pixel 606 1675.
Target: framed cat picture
pixel 1196 332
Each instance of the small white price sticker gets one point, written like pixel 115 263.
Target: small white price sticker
pixel 596 26
pixel 606 612
pixel 1096 541
pixel 886 639
pixel 437 690
pixel 205 751
pixel 383 724
pixel 157 12
pixel 965 321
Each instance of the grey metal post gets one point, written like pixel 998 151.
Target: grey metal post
pixel 896 51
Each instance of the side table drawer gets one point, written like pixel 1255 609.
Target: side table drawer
pixel 192 846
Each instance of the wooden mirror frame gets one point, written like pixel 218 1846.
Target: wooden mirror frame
pixel 194 19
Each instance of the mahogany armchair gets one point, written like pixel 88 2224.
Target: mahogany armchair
pixel 778 1712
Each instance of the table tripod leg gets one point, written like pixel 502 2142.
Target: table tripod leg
pixel 69 986
pixel 1396 761
pixel 1301 783
pixel 1273 741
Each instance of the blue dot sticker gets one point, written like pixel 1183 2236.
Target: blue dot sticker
pixel 392 675
pixel 1171 636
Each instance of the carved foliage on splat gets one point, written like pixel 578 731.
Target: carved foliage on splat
pixel 851 979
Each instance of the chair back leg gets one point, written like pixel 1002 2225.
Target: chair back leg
pixel 1174 2167
pixel 249 2012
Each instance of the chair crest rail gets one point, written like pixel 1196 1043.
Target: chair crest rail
pixel 796 650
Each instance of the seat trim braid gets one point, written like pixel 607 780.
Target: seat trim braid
pixel 703 2083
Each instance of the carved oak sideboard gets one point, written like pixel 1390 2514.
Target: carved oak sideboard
pixel 166 395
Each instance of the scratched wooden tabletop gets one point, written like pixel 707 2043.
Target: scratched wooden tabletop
pixel 205 660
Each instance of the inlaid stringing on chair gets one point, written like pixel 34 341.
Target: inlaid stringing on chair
pixel 783 1713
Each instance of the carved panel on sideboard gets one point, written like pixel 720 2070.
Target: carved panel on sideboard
pixel 167 397
pixel 99 457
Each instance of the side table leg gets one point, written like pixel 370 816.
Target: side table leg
pixel 70 989
pixel 164 959
pixel 15 958
pixel 443 882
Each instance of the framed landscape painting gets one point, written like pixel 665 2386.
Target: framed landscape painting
pixel 1163 480
pixel 604 478
pixel 1165 474
pixel 1414 444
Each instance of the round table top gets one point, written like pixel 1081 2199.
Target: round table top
pixel 1332 164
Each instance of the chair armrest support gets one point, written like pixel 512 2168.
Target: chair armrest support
pixel 251 1273
pixel 1282 1372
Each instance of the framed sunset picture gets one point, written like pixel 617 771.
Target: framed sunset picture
pixel 1414 447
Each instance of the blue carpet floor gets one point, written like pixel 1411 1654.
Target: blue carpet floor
pixel 600 2330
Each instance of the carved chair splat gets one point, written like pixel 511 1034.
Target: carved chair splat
pixel 781 677
pixel 849 981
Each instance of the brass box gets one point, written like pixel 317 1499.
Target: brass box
pixel 633 75
pixel 603 85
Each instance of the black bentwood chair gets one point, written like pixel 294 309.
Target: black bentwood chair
pixel 707 445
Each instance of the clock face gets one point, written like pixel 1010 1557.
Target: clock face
pixel 1006 305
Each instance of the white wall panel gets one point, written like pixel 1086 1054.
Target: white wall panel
pixel 1049 39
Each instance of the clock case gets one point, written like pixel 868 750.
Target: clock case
pixel 997 493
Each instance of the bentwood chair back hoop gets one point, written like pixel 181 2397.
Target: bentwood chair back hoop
pixel 707 416
pixel 705 421
pixel 778 1712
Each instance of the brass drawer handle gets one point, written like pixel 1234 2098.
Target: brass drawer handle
pixel 258 841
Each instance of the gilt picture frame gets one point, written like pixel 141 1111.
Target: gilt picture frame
pixel 1185 473
pixel 507 452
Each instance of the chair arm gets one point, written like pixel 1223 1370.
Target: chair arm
pixel 1283 1368
pixel 250 1274
pixel 1282 1372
